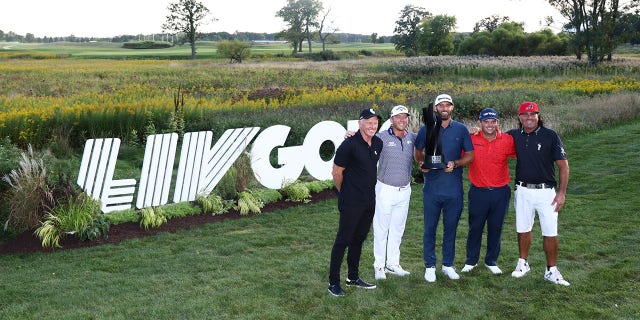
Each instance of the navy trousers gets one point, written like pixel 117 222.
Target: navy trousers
pixel 451 209
pixel 486 206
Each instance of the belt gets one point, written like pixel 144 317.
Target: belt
pixel 487 188
pixel 388 186
pixel 534 185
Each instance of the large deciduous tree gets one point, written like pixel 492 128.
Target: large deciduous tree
pixel 490 23
pixel 436 36
pixel 628 28
pixel 301 16
pixel 185 17
pixel 406 31
pixel 325 29
pixel 593 23
pixel 509 39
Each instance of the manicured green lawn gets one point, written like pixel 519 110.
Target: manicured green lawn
pixel 205 49
pixel 274 266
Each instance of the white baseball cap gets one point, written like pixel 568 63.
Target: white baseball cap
pixel 442 98
pixel 399 109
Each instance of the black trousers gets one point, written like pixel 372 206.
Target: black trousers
pixel 353 227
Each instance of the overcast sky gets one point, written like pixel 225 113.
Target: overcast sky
pixel 87 18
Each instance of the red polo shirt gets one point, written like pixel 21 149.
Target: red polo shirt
pixel 489 167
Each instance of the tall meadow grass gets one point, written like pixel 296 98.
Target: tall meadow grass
pixel 109 98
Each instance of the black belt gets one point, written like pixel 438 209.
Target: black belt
pixel 534 185
pixel 487 188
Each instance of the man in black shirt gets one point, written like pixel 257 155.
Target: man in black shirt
pixel 539 150
pixel 354 175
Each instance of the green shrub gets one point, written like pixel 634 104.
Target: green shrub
pixel 296 191
pixel 267 196
pixel 244 174
pixel 234 50
pixel 68 218
pixel 180 209
pixel 9 156
pixel 326 55
pixel 122 216
pixel 247 203
pixel 146 45
pixel 77 213
pixel 226 187
pixel 213 204
pixel 319 185
pixel 152 217
pixel 95 229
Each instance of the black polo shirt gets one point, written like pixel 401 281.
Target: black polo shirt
pixel 359 176
pixel 537 153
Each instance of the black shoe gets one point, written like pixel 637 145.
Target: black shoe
pixel 360 284
pixel 336 290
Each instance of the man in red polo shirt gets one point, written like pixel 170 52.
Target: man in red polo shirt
pixel 489 194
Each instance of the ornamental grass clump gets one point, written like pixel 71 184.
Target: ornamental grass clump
pixel 29 196
pixel 69 218
pixel 152 217
pixel 317 186
pixel 248 203
pixel 213 204
pixel 296 191
pixel 267 196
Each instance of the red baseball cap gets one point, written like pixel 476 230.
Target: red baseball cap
pixel 528 107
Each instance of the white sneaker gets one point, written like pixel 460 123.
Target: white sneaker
pixel 397 270
pixel 380 274
pixel 494 269
pixel 430 274
pixel 451 273
pixel 553 275
pixel 468 267
pixel 521 268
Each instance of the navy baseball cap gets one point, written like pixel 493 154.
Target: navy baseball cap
pixel 487 114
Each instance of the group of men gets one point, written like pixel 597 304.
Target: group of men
pixel 372 173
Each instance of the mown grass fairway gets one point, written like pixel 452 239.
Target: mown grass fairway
pixel 274 266
pixel 205 49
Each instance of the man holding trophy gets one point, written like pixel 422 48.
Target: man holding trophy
pixel 443 146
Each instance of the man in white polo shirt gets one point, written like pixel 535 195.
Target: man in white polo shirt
pixel 393 192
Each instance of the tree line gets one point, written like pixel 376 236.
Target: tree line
pixel 209 36
pixel 594 28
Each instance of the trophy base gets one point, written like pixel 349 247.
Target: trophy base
pixel 434 162
pixel 434 166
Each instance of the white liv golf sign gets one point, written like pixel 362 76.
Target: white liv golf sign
pixel 201 166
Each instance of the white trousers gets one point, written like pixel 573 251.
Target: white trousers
pixel 392 207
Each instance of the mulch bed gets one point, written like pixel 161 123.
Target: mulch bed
pixel 27 242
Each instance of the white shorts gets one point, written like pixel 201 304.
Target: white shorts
pixel 527 202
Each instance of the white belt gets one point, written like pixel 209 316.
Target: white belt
pixel 388 186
